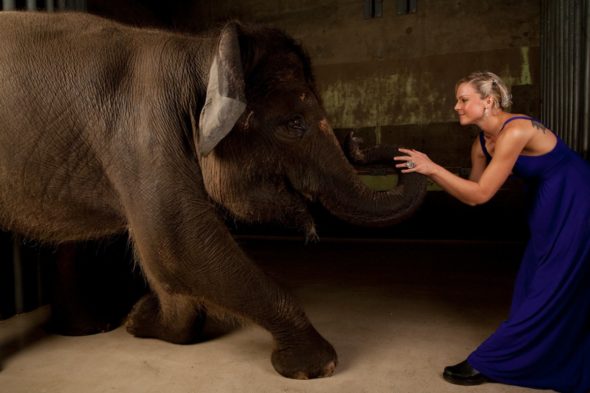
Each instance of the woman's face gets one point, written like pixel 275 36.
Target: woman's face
pixel 469 106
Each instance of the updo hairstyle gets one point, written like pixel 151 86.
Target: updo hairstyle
pixel 488 84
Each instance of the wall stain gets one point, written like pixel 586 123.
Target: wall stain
pixel 381 100
pixel 419 91
pixel 525 73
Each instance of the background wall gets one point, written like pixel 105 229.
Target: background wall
pixel 392 78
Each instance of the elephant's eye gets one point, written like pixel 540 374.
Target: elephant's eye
pixel 297 123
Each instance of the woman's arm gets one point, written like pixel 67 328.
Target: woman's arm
pixel 472 192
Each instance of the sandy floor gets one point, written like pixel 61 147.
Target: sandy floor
pixel 396 312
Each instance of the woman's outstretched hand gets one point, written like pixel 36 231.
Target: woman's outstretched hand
pixel 415 161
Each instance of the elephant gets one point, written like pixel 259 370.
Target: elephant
pixel 107 128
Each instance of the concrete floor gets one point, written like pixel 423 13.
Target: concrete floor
pixel 396 312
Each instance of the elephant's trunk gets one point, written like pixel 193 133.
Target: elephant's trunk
pixel 349 199
pixel 341 191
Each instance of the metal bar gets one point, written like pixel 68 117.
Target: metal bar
pixel 19 304
pixel 560 72
pixel 585 75
pixel 39 271
pixel 31 5
pixel 377 8
pixel 554 62
pixel 572 76
pixel 81 5
pixel 401 7
pixel 49 5
pixel 552 66
pixel 544 62
pixel 8 5
pixel 368 9
pixel 564 70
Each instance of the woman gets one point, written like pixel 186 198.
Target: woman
pixel 545 342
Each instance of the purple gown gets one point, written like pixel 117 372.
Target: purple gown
pixel 545 342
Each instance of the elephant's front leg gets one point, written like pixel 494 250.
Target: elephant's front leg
pixel 187 253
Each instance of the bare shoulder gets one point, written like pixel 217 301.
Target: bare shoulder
pixel 517 129
pixel 528 123
pixel 532 136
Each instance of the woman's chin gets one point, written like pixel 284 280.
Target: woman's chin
pixel 463 121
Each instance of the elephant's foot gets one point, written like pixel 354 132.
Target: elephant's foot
pixel 182 325
pixel 313 357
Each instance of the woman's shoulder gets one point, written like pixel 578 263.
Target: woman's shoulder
pixel 517 132
pixel 528 132
pixel 518 125
pixel 522 122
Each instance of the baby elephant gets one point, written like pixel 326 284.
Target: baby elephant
pixel 106 128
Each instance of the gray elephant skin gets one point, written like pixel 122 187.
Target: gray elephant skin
pixel 107 128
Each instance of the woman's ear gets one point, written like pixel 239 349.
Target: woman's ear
pixel 490 103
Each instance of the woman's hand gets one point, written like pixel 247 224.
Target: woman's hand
pixel 415 161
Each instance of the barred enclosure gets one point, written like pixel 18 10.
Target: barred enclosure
pixel 565 71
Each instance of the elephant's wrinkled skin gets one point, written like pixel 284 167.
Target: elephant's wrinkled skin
pixel 102 130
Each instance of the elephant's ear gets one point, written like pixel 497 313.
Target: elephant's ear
pixel 225 101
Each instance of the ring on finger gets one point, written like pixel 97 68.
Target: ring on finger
pixel 410 164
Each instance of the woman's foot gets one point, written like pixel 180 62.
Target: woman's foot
pixel 464 374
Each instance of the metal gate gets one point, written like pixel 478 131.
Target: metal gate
pixel 45 5
pixel 565 71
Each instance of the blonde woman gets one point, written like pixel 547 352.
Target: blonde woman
pixel 545 342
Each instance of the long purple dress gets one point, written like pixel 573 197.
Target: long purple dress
pixel 545 342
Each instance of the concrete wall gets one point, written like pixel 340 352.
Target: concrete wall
pixel 392 78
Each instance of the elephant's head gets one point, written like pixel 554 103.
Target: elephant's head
pixel 267 147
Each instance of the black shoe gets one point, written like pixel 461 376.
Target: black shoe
pixel 464 374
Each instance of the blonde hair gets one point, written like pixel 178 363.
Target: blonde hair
pixel 488 84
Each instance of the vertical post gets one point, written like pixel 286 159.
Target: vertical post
pixel 19 304
pixel 565 71
pixel 585 85
pixel 49 6
pixel 79 5
pixel 39 268
pixel 31 5
pixel 61 5
pixel 8 5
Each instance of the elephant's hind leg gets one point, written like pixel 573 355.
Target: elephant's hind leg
pixel 177 319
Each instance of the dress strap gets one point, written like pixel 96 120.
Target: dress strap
pixel 482 141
